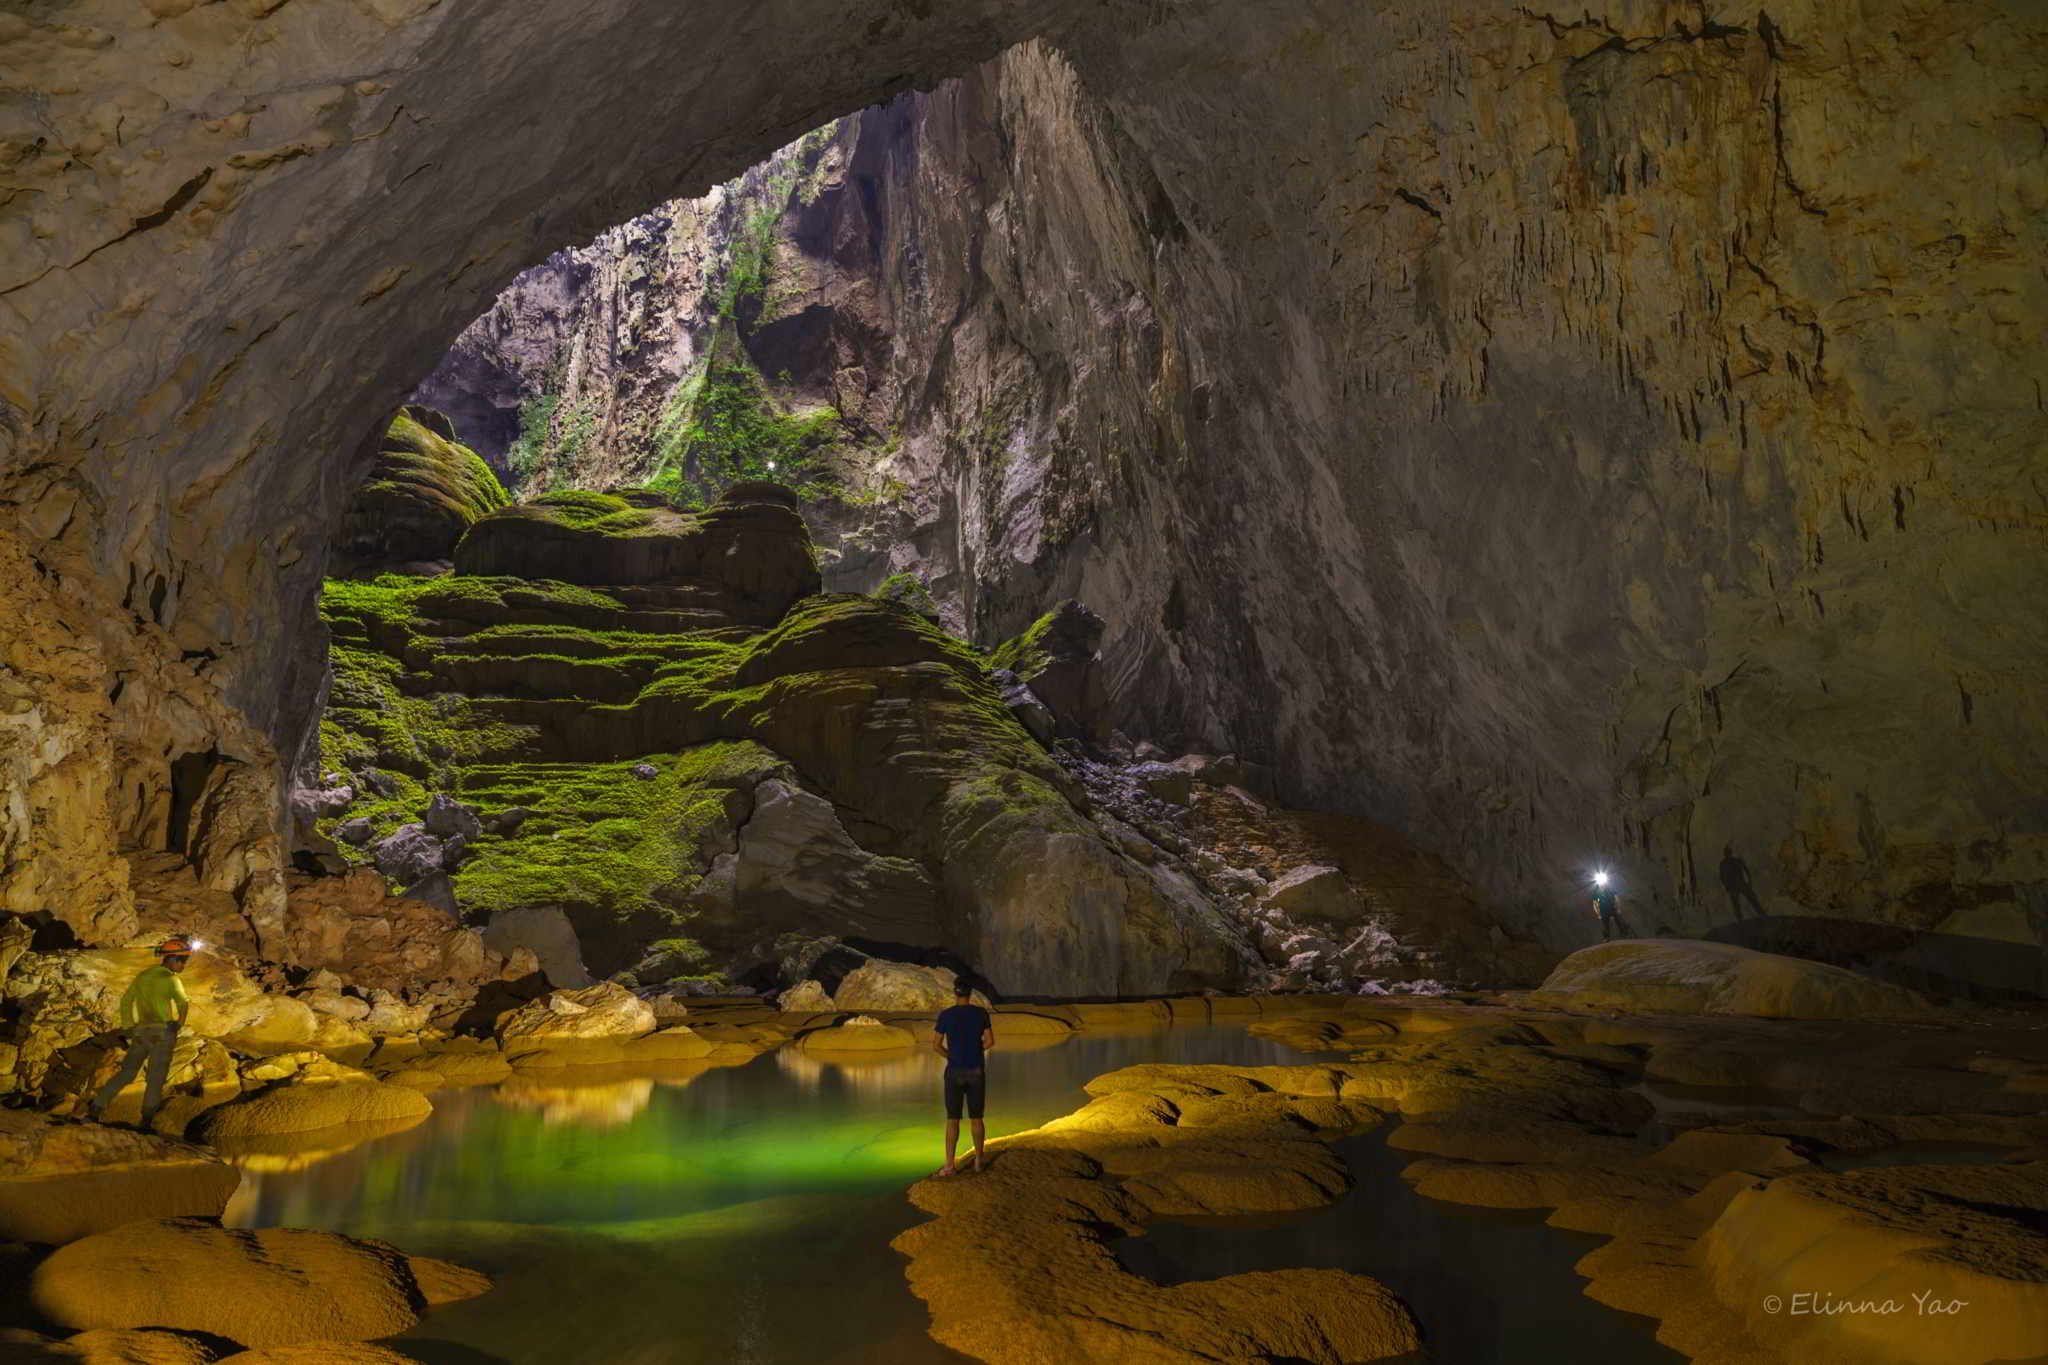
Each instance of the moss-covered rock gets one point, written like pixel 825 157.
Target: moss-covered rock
pixel 424 491
pixel 1058 656
pixel 708 762
pixel 756 553
pixel 911 591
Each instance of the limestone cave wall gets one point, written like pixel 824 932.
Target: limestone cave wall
pixel 1575 446
pixel 1611 437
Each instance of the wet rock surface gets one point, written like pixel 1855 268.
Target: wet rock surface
pixel 268 1288
pixel 1015 1266
pixel 61 1181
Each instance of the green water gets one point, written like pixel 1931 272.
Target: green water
pixel 739 1215
pixel 744 1215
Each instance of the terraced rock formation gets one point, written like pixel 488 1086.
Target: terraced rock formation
pixel 706 755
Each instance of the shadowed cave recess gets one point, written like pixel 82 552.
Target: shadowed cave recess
pixel 579 547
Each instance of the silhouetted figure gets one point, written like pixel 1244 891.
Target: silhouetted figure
pixel 1735 878
pixel 153 1009
pixel 1607 905
pixel 963 1035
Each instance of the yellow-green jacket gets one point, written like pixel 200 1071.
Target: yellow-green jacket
pixel 155 996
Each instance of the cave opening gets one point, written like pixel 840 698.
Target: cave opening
pixel 613 563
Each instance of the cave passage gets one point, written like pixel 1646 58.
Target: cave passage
pixel 1420 613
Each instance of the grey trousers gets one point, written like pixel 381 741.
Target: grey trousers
pixel 146 1042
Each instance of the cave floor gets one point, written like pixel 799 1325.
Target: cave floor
pixel 1529 1183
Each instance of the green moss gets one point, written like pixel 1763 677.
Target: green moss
pixel 910 590
pixel 722 426
pixel 427 466
pixel 1025 655
pixel 536 426
pixel 599 836
pixel 603 513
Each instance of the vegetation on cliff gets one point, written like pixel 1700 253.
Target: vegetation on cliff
pixel 723 425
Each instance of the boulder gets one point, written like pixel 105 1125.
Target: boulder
pixel 895 987
pixel 263 1288
pixel 63 1181
pixel 286 1025
pixel 447 818
pixel 798 870
pixel 424 490
pixel 506 821
pixel 1164 782
pixel 1033 714
pixel 1058 656
pixel 604 1011
pixel 317 803
pixel 351 925
pixel 1316 891
pixel 545 932
pixel 806 997
pixel 1060 910
pixel 355 832
pixel 408 854
pixel 1685 976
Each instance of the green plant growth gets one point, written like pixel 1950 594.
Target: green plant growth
pixel 722 426
pixel 587 511
pixel 598 835
pixel 1025 654
pixel 418 463
pixel 911 591
pixel 536 426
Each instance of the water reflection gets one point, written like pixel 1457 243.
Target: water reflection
pixel 608 1104
pixel 276 1152
pixel 1484 1284
pixel 672 1217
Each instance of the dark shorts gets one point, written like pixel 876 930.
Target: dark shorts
pixel 966 1087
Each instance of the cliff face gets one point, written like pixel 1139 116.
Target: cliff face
pixel 1649 493
pixel 1610 438
pixel 1574 442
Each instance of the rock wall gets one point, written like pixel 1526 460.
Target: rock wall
pixel 1599 440
pixel 1610 438
pixel 233 236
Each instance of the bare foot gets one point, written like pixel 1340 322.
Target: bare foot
pixel 974 1162
pixel 948 1169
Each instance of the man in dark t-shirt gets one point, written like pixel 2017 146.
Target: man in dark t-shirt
pixel 963 1034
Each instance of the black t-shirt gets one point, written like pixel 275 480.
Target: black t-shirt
pixel 961 1026
pixel 1603 900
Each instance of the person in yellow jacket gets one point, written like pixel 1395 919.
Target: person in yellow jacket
pixel 153 1009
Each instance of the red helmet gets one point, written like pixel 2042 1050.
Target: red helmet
pixel 177 945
